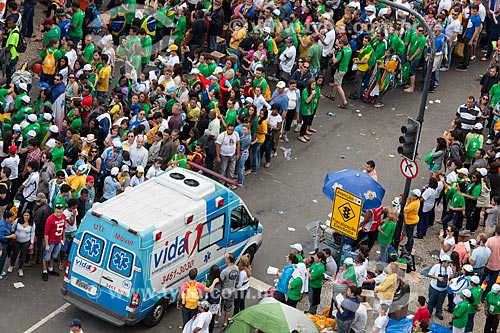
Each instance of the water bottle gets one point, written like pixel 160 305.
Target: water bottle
pixel 331 114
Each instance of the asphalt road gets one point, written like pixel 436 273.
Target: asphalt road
pixel 288 194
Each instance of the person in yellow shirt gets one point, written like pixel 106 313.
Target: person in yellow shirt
pixel 77 181
pixel 411 216
pixel 236 37
pixel 385 290
pixel 103 76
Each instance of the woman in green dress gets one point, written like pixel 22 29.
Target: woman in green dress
pixel 309 102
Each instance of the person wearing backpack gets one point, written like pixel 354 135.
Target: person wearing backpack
pixel 473 142
pixel 11 47
pixel 50 56
pixel 456 150
pixel 189 295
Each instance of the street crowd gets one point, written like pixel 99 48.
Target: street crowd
pixel 188 84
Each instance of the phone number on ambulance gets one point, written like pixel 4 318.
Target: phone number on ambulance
pixel 178 272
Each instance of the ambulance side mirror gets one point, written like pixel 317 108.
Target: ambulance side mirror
pixel 255 223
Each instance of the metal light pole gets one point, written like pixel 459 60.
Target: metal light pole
pixel 421 112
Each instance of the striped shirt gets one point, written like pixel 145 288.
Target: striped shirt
pixel 468 117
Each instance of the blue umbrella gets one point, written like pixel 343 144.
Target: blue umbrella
pixel 356 182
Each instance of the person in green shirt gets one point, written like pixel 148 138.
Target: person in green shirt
pixel 296 284
pixel 456 208
pixel 130 6
pixel 161 20
pixel 181 27
pixel 52 31
pixel 11 46
pixel 230 117
pixel 88 51
pixel 76 120
pixel 76 27
pixel 314 55
pixel 342 61
pixel 461 312
pixel 308 104
pixel 396 43
pixel 492 309
pixel 315 274
pixel 58 153
pixel 62 196
pixel 386 233
pixel 494 95
pixel 379 45
pixel 147 47
pixel 472 193
pixel 179 159
pixel 476 291
pixel 414 54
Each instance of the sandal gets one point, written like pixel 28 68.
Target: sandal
pixel 408 90
pixel 330 97
pixel 484 59
pixel 301 139
pixel 267 165
pixel 312 130
pixel 248 172
pixel 307 138
pixel 309 133
pixel 342 106
pixel 378 105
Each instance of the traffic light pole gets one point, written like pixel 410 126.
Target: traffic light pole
pixel 421 113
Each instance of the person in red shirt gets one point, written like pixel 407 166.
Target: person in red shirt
pixel 52 237
pixel 422 313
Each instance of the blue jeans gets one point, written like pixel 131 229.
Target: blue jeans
pixel 409 234
pixel 266 148
pixel 256 156
pixel 240 166
pixel 187 314
pixel 384 248
pixel 27 20
pixel 436 300
pixel 470 323
pixel 10 70
pixel 213 43
pixel 423 224
pixel 3 257
pixel 450 54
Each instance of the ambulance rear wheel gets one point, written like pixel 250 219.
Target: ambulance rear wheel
pixel 156 314
pixel 251 253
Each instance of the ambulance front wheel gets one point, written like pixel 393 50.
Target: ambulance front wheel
pixel 156 314
pixel 250 252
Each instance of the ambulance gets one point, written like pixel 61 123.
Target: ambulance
pixel 132 252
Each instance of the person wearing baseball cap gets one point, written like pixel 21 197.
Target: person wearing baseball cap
pixel 179 159
pixel 476 291
pixel 87 193
pixel 492 309
pixel 440 275
pixel 411 216
pixel 75 326
pixel 298 251
pixel 112 186
pixel 461 311
pixel 138 178
pixel 51 31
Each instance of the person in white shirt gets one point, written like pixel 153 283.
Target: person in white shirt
pixel 401 14
pixel 200 322
pixel 30 187
pixel 287 60
pixel 214 124
pixel 155 169
pixel 70 213
pixel 360 319
pixel 138 154
pixel 243 284
pixel 380 323
pixel 227 147
pixel 328 42
pixel 259 101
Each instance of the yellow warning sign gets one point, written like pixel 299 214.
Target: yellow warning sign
pixel 346 213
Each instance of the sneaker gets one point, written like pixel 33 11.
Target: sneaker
pixel 45 276
pixel 461 69
pixel 10 269
pixel 285 138
pixel 53 272
pixel 440 317
pixel 489 142
pixel 432 90
pixel 3 273
pixel 232 187
pixel 274 154
pixel 297 128
pixel 20 272
pixel 473 58
pixel 443 69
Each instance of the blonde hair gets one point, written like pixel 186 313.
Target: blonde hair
pixel 244 264
pixel 392 214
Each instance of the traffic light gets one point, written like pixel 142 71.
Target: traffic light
pixel 409 139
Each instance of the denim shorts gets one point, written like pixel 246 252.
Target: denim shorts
pixel 413 66
pixel 53 252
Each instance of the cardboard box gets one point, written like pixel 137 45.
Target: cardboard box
pixel 218 56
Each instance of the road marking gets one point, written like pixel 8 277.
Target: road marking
pixel 49 317
pixel 258 285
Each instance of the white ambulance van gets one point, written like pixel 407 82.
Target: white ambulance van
pixel 132 253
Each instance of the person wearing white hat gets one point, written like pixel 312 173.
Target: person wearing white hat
pixel 476 291
pixel 78 180
pixel 411 217
pixel 440 274
pixel 473 142
pixel 461 312
pixel 112 186
pixel 298 251
pixel 492 309
pixel 457 285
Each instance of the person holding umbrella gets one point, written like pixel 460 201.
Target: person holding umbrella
pixel 411 217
